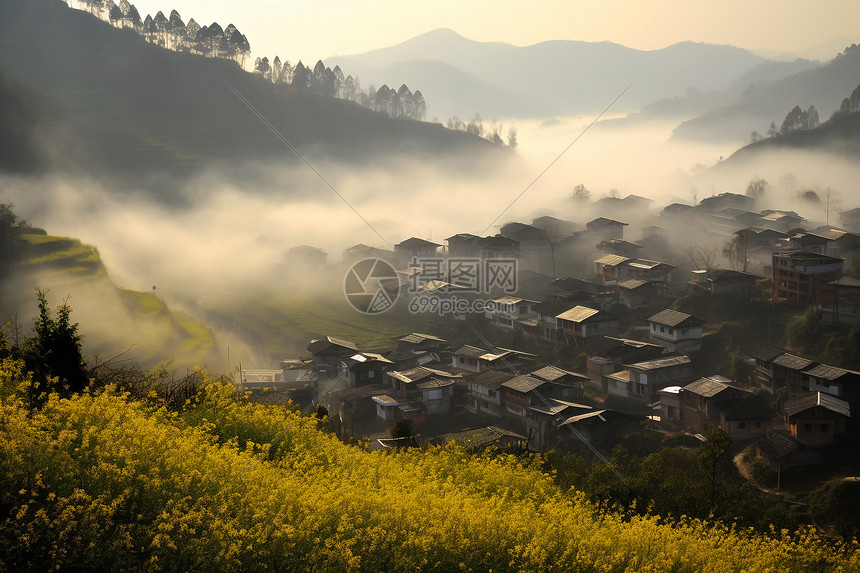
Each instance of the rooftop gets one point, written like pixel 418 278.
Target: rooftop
pixel 814 399
pixel 674 318
pixel 661 363
pixel 578 314
pixel 523 384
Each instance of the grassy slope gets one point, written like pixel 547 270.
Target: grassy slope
pixel 65 265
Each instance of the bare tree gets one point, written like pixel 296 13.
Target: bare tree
pixel 701 257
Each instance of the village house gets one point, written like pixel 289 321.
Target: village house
pixel 703 402
pixel 542 419
pixel 838 382
pixel 536 251
pixel 404 383
pixel 474 359
pixel 557 229
pixel 611 268
pixel 548 327
pixel 464 245
pixel 531 403
pixel 815 419
pixel 725 282
pixel 415 248
pixel 797 274
pixel 329 353
pixel 581 324
pixel 671 407
pixel 619 247
pixel 485 393
pixel 636 293
pixel 726 201
pixel 851 219
pixel 508 311
pixel 358 252
pixel 831 241
pixel 764 368
pixel 418 343
pixel 676 331
pixel 789 371
pixel 437 395
pixel 468 246
pixel 354 408
pixel 744 420
pixel 596 432
pixel 561 383
pixel 726 221
pixel 784 221
pixel 839 300
pixel 605 229
pixel 367 368
pixel 607 355
pixel 641 381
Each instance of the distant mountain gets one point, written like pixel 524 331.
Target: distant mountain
pixel 122 105
pixel 823 86
pixel 551 78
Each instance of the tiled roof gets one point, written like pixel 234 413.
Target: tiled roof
pixel 673 318
pixel 705 387
pixel 523 384
pixel 814 399
pixel 661 363
pixel 826 372
pixel 577 314
pixel 492 379
pixel 793 362
pixel 468 351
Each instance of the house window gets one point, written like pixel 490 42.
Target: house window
pixel 670 412
pixel 371 374
pixel 671 331
pixel 758 424
pixel 662 329
pixel 492 393
pixel 807 427
pixel 825 427
pixel 434 395
pixel 742 425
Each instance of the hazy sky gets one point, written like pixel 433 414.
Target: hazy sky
pixel 310 30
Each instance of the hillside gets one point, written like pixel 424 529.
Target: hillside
pixel 838 136
pixel 113 320
pixel 122 105
pixel 103 482
pixel 558 77
pixel 823 86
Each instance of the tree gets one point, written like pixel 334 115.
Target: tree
pixel 757 188
pixel 54 355
pixel 402 428
pixel 512 137
pixel 11 228
pixel 795 120
pixel 812 119
pixel 714 454
pixel 772 130
pixel 581 194
pixel 735 252
pixel 701 257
